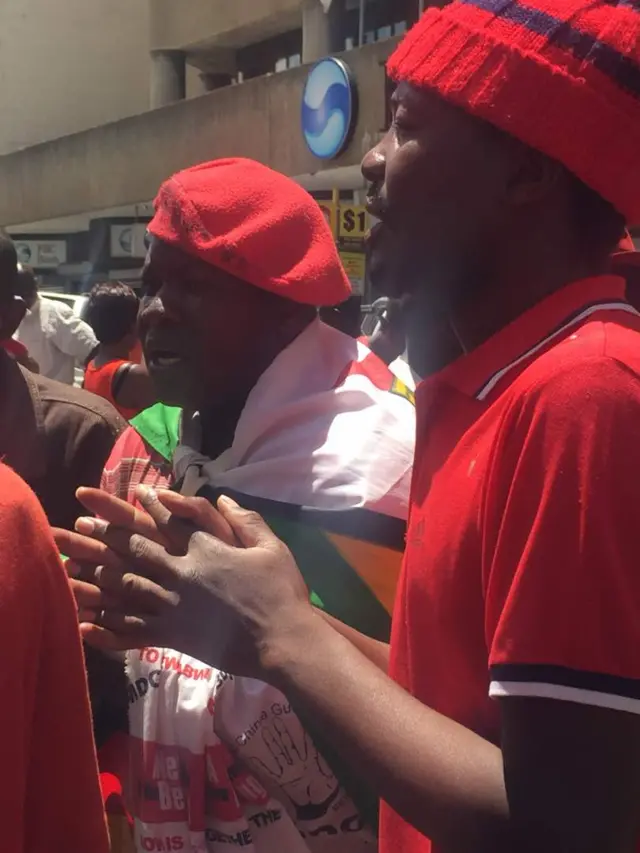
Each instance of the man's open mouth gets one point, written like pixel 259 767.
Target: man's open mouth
pixel 163 358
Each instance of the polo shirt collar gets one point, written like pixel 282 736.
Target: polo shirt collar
pixel 475 373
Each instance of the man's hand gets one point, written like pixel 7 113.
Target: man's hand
pixel 85 554
pixel 162 527
pixel 173 585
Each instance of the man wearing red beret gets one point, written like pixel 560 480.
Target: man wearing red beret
pixel 274 405
pixel 509 718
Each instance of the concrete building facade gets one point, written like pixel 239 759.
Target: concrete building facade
pixel 69 65
pixel 137 89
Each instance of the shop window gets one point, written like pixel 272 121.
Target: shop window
pixel 383 19
pixel 266 57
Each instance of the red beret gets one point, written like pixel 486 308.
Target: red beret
pixel 256 224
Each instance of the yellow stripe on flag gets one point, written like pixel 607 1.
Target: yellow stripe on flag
pixel 377 566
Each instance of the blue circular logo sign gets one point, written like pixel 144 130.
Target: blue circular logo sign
pixel 329 106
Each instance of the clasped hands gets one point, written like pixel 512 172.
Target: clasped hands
pixel 215 584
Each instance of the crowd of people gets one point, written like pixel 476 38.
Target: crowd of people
pixel 325 610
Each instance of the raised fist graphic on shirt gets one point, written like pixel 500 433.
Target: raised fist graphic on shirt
pixel 295 765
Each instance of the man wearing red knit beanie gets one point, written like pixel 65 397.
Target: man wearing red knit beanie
pixel 509 716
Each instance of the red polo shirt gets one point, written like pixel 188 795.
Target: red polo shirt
pixel 521 572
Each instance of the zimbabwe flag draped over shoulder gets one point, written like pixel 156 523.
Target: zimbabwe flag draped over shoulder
pixel 350 559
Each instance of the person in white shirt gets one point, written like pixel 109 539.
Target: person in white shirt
pixel 55 337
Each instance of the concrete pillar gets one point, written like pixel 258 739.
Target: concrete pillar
pixel 168 77
pixel 322 32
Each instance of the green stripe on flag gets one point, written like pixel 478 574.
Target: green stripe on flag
pixel 316 600
pixel 159 426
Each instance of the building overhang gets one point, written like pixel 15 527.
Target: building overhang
pixel 220 23
pixel 125 162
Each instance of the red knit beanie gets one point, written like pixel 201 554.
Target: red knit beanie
pixel 256 224
pixel 563 76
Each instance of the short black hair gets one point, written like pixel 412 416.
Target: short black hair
pixel 112 311
pixel 8 267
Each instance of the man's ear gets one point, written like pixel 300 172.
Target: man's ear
pixel 535 176
pixel 11 315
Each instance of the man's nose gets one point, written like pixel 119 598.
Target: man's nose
pixel 164 304
pixel 374 164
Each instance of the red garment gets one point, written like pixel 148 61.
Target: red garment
pixel 560 76
pixel 521 570
pixel 14 348
pixel 99 380
pixel 134 463
pixel 256 224
pixel 114 767
pixel 50 793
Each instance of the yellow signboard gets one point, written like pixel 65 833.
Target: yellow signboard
pixel 354 221
pixel 347 221
pixel 354 265
pixel 330 212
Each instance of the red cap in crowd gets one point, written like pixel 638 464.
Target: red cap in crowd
pixel 256 224
pixel 563 76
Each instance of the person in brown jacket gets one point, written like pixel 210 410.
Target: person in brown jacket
pixel 57 438
pixel 54 436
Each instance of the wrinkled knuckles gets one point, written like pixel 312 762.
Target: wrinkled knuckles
pixel 203 539
pixel 130 585
pixel 139 548
pixel 280 550
pixel 191 576
pixel 201 505
pixel 250 518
